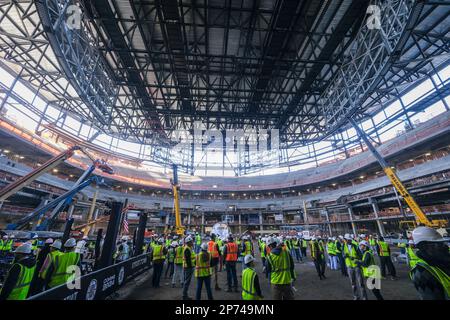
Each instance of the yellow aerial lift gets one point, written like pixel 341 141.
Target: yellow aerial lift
pixel 179 229
pixel 421 218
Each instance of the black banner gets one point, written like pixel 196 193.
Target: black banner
pixel 101 283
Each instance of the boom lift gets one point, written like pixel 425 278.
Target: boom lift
pixel 14 187
pixel 421 218
pixel 179 229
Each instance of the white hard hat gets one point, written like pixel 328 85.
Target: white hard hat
pixel 347 236
pixel 70 243
pixel 5 237
pixel 188 239
pixel 204 246
pixel 248 258
pixel 35 236
pixel 85 238
pixel 174 244
pixel 364 243
pixel 24 248
pixel 362 235
pixel 410 242
pixel 271 240
pixel 313 238
pixel 49 241
pixel 57 244
pixel 161 240
pixel 340 237
pixel 12 236
pixel 175 237
pixel 420 234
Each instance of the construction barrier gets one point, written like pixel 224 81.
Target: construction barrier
pixel 99 284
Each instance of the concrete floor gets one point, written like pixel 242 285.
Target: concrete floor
pixel 308 285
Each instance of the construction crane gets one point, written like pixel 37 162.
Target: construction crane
pixel 421 217
pixel 20 183
pixel 179 229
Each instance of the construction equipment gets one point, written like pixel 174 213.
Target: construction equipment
pixel 421 218
pixel 60 202
pixel 14 187
pixel 179 229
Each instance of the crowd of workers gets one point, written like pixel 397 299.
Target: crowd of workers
pixel 361 258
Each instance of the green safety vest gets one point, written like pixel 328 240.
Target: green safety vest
pixel 351 263
pixel 288 244
pixel 369 272
pixel 178 255
pixel 34 245
pixel 248 284
pixel 52 255
pixel 168 242
pixel 171 255
pixel 198 240
pixel 62 262
pixel 248 248
pixel 313 251
pixel 158 253
pixel 203 268
pixel 372 242
pixel 20 291
pixel 441 276
pixel 280 268
pixel 384 249
pixel 6 245
pixel 304 244
pixel 263 249
pixel 412 257
pixel 331 248
pixel 296 244
pixel 192 257
pixel 336 249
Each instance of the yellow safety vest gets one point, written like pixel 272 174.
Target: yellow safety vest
pixel 179 255
pixel 158 253
pixel 369 272
pixel 52 255
pixel 280 268
pixel 248 285
pixel 441 276
pixel 248 247
pixel 62 263
pixel 202 267
pixel 22 287
pixel 349 262
pixel 384 249
pixel 412 257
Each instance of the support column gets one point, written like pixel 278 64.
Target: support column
pixel 95 216
pixel 305 213
pixel 70 211
pixel 189 220
pixel 140 233
pixel 240 227
pixel 328 221
pixel 376 210
pixel 91 213
pixel 203 222
pixel 261 222
pixel 350 213
pixel 109 245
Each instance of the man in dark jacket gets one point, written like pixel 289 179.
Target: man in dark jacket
pixel 431 274
pixel 37 282
pixel 18 281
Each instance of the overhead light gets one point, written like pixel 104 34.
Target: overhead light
pixel 71 175
pixel 244 194
pixel 215 186
pixel 362 177
pixel 6 151
pixel 130 188
pixel 334 184
pixel 249 185
pixel 428 154
pixel 21 157
pixel 55 170
pixel 232 194
pixel 411 160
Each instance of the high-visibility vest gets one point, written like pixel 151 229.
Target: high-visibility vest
pixel 331 248
pixel 372 242
pixel 192 257
pixel 288 244
pixel 370 271
pixel 296 244
pixel 52 255
pixel 203 265
pixel 168 242
pixel 262 249
pixel 22 286
pixel 304 244
pixel 349 262
pixel 248 284
pixel 212 249
pixel 247 248
pixel 34 245
pixel 438 273
pixel 198 240
pixel 6 245
pixel 62 262
pixel 412 257
pixel 158 252
pixel 337 250
pixel 232 251
pixel 384 249
pixel 280 265
pixel 179 255
pixel 315 244
pixel 170 255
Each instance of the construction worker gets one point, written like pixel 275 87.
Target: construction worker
pixel 296 249
pixel 6 245
pixel 331 251
pixel 373 244
pixel 220 244
pixel 230 254
pixel 20 275
pixel 247 248
pixel 340 255
pixel 178 264
pixel 304 247
pixel 40 259
pixel 384 252
pixel 214 251
pixel 198 242
pixel 352 255
pixel 170 260
pixel 49 264
pixel 369 269
pixel 35 244
pixel 280 266
pixel 318 256
pixel 158 257
pixel 251 289
pixel 61 272
pixel 203 272
pixel 411 256
pixel 431 274
pixel 188 265
pixel 123 250
pixel 262 251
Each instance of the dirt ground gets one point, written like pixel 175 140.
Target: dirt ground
pixel 308 286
